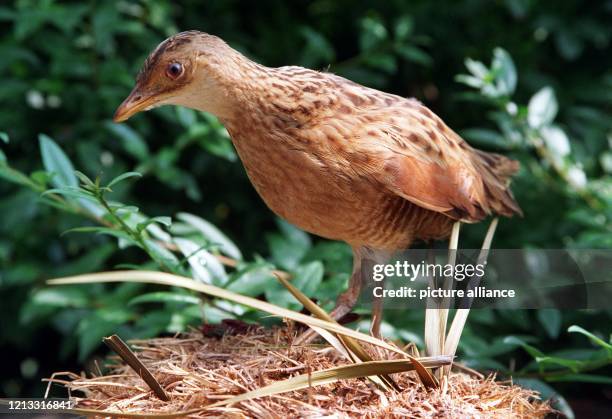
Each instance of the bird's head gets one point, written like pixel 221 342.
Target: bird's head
pixel 184 70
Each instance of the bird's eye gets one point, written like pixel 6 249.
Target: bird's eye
pixel 174 70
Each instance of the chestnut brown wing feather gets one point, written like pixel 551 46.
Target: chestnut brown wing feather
pixel 416 156
pixel 399 144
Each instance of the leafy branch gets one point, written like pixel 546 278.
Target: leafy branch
pixel 564 368
pixel 528 126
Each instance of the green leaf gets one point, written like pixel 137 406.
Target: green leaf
pixel 542 108
pixel 569 44
pixel 219 145
pixel 181 319
pixel 40 177
pixel 253 281
pixel 476 347
pixel 85 180
pixel 403 27
pixel 152 323
pixel 572 364
pixel 336 256
pixel 212 234
pixel 68 297
pixel 204 266
pixel 167 221
pixel 161 254
pixel 90 261
pixel 30 312
pixel 289 249
pixel 123 177
pixel 414 54
pixel 71 192
pixel 381 61
pixel 294 234
pixel 583 378
pixel 126 211
pixel 592 337
pixel 317 50
pixel 165 297
pixel 283 253
pixel 56 162
pixel 308 277
pixel 550 319
pixel 131 140
pixel 373 33
pixel 486 138
pixel 89 229
pixel 13 175
pixel 4 137
pixel 186 117
pixel 94 327
pixel 123 238
pixel 505 71
pixel 279 295
pixel 532 350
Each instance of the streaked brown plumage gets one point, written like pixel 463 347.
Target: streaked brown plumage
pixel 335 158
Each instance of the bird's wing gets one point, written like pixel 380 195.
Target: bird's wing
pixel 413 154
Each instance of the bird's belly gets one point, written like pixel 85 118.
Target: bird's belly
pixel 316 198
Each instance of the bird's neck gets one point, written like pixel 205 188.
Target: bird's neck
pixel 237 90
pixel 234 86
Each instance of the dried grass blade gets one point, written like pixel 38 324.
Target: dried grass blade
pixel 427 378
pixel 436 318
pixel 351 345
pixel 456 329
pixel 163 278
pixel 116 344
pixel 102 413
pixel 331 375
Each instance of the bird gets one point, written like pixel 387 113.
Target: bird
pixel 335 158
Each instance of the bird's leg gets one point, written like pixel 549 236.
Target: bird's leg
pixel 377 312
pixel 379 257
pixel 345 302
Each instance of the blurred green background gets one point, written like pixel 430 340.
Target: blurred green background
pixel 535 83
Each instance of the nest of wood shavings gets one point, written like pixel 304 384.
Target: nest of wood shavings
pixel 196 371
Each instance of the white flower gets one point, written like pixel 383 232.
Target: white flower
pixel 576 177
pixel 35 99
pixel 106 158
pixel 511 108
pixel 556 140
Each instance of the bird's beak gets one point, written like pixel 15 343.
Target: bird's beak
pixel 136 102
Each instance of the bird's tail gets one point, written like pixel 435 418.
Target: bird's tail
pixel 496 171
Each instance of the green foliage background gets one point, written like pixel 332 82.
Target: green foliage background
pixel 545 100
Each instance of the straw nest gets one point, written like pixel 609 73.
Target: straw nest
pixel 198 369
